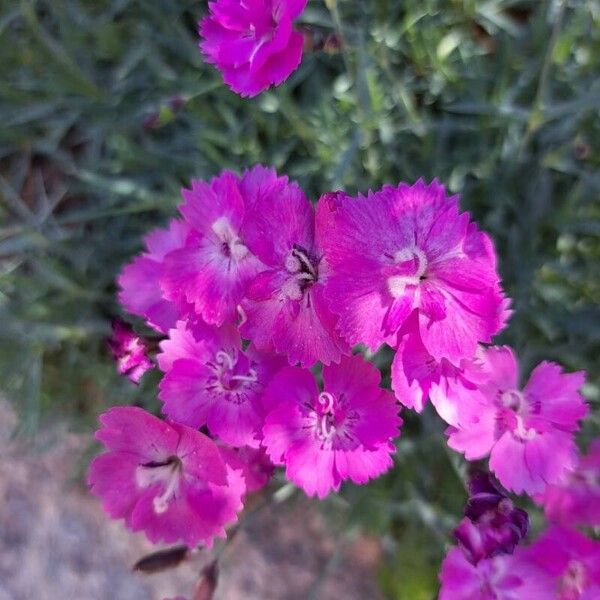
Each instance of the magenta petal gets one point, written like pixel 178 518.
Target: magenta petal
pixel 183 392
pixel 557 394
pixel 312 469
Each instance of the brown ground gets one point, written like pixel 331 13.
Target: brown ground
pixel 55 543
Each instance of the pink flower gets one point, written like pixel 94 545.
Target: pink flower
pixel 404 262
pixel 139 281
pixel 129 351
pixel 528 433
pixel 255 465
pixel 214 267
pixel 571 560
pixel 284 307
pixel 576 500
pixel 210 381
pixel 252 42
pixel 164 479
pixel 504 577
pixel 323 438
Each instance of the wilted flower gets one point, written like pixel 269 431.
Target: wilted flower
pixel 164 478
pixel 492 524
pixel 406 267
pixel 129 351
pixel 323 438
pixel 528 433
pixel 252 42
pixel 139 281
pixel 211 381
pixel 576 499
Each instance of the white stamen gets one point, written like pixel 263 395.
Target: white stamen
pixel 522 432
pixel 252 377
pixel 326 400
pixel 397 283
pixel 224 358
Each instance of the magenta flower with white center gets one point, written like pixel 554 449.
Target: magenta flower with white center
pixel 504 577
pixel 164 479
pixel 576 499
pixel 139 282
pixel 529 432
pixel 252 42
pixel 571 560
pixel 284 306
pixel 209 380
pixel 213 269
pixel 344 432
pixel 406 260
pixel 129 351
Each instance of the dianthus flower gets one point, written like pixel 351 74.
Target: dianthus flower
pixel 214 267
pixel 528 433
pixel 323 438
pixel 284 307
pixel 504 577
pixel 252 42
pixel 211 381
pixel 129 351
pixel 571 560
pixel 139 281
pixel 164 478
pixel 576 500
pixel 406 267
pixel 492 524
pixel 254 464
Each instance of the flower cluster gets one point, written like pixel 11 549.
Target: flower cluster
pixel 239 287
pixel 261 300
pixel 562 564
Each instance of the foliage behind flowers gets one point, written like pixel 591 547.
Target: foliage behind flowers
pixel 109 111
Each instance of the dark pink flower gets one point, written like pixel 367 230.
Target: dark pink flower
pixel 323 438
pixel 492 524
pixel 164 479
pixel 213 269
pixel 576 500
pixel 571 560
pixel 504 577
pixel 407 267
pixel 129 351
pixel 211 381
pixel 139 281
pixel 255 465
pixel 528 433
pixel 284 307
pixel 252 42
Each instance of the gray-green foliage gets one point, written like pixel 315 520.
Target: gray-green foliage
pixel 498 99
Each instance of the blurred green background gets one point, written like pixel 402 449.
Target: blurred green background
pixel 107 110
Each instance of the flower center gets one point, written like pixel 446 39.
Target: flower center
pixel 231 246
pixel 303 273
pixel 573 582
pixel 232 375
pixel 515 402
pixel 411 269
pixel 331 423
pixel 167 473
